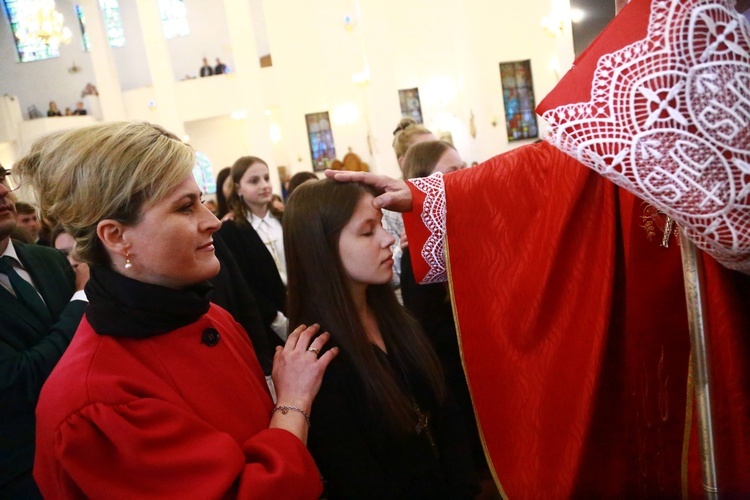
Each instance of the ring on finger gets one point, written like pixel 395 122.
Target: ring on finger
pixel 314 349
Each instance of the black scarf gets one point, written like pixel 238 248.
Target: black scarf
pixel 123 307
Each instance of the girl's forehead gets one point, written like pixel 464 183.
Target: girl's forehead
pixel 364 210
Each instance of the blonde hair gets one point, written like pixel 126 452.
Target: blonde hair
pixel 405 132
pixel 421 158
pixel 110 171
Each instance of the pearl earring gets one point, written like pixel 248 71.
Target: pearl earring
pixel 128 264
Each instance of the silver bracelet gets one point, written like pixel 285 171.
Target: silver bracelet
pixel 285 409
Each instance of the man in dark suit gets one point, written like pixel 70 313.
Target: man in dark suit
pixel 206 69
pixel 40 309
pixel 220 67
pixel 27 219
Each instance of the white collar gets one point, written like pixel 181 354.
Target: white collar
pixel 10 251
pixel 255 221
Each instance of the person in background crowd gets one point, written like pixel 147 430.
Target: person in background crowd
pixel 80 110
pixel 89 89
pixel 220 67
pixel 223 190
pixel 53 109
pixel 211 206
pixel 41 304
pixel 253 235
pixel 298 179
pixel 407 133
pixel 206 69
pixel 27 218
pixel 168 399
pixel 277 203
pixel 431 305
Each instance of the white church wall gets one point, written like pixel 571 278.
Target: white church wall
pixel 221 138
pixel 450 50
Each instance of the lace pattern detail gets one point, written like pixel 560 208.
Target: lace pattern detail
pixel 669 120
pixel 433 217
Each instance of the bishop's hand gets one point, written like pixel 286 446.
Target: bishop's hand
pixel 394 194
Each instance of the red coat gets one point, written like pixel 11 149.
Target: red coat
pixel 167 416
pixel 574 334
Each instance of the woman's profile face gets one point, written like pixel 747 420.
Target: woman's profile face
pixel 449 162
pixel 365 247
pixel 171 245
pixel 255 185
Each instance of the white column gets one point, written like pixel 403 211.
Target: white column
pixel 105 73
pixel 160 66
pixel 247 70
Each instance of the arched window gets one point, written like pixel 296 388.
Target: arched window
pixel 21 14
pixel 112 23
pixel 174 18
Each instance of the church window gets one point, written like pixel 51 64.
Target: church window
pixel 21 14
pixel 174 18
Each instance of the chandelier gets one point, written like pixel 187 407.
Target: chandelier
pixel 39 21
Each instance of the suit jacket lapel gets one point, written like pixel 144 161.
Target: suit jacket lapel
pixel 10 306
pixel 40 271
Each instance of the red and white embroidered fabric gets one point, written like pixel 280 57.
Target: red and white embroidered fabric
pixel 668 117
pixel 433 217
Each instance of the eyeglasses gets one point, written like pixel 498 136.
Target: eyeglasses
pixel 8 180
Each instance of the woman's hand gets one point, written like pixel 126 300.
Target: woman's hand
pixel 298 368
pixel 395 194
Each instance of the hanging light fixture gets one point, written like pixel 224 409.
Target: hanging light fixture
pixel 40 21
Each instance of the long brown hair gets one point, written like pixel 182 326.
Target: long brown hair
pixel 314 218
pixel 236 205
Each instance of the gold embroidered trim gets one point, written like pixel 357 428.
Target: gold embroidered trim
pixel 689 398
pixel 500 488
pixel 654 221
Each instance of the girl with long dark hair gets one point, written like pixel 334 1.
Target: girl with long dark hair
pixel 384 425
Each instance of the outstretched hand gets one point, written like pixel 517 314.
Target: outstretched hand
pixel 394 194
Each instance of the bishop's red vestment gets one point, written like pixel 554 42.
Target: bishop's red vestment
pixel 573 330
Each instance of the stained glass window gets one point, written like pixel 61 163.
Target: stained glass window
pixel 33 49
pixel 410 105
pixel 518 97
pixel 174 18
pixel 204 174
pixel 82 25
pixel 112 23
pixel 320 135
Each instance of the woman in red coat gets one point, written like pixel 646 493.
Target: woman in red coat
pixel 159 394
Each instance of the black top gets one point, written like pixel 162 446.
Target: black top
pixel 361 457
pixel 258 269
pixel 431 307
pixel 232 293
